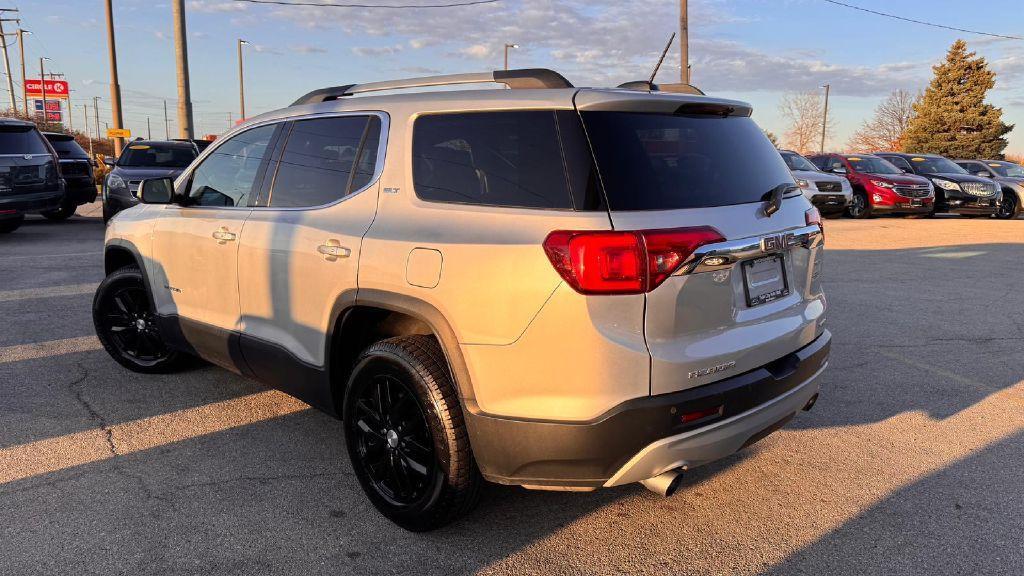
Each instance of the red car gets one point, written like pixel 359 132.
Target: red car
pixel 878 186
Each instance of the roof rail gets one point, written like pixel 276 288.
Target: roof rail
pixel 644 85
pixel 517 79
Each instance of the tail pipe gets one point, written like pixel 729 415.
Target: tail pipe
pixel 664 484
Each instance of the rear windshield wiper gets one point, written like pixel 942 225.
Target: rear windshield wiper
pixel 774 197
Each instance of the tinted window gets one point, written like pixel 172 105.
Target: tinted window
pixel 935 165
pixel 226 177
pixel 1007 169
pixel 661 162
pixel 68 149
pixel 21 140
pixel 319 164
pixel 798 162
pixel 490 158
pixel 820 161
pixel 873 165
pixel 156 156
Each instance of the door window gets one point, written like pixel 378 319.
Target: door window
pixel 227 176
pixel 324 160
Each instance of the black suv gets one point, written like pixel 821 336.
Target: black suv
pixel 142 159
pixel 30 179
pixel 77 169
pixel 956 190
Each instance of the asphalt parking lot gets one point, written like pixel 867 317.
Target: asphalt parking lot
pixel 911 462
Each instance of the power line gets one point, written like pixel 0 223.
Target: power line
pixel 923 22
pixel 323 5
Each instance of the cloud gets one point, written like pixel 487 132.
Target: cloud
pixel 477 51
pixel 306 49
pixel 217 6
pixel 376 51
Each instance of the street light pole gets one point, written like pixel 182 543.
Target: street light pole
pixel 241 80
pixel 684 43
pixel 507 46
pixel 24 87
pixel 115 88
pixel 824 119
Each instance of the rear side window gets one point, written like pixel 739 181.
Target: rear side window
pixel 21 140
pixel 664 162
pixel 324 160
pixel 68 149
pixel 511 159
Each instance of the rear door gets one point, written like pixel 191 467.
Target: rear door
pixel 666 165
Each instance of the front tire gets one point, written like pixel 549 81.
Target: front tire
pixel 860 208
pixel 406 436
pixel 1009 208
pixel 126 324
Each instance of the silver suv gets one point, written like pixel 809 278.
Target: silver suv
pixel 554 287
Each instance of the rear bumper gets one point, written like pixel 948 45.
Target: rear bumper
pixel 642 438
pixel 36 202
pixel 829 202
pixel 81 190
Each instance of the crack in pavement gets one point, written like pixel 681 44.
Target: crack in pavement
pixel 76 389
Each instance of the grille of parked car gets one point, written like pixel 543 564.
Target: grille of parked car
pixel 829 186
pixel 913 190
pixel 978 188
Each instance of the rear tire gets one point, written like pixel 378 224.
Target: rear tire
pixel 12 224
pixel 126 325
pixel 66 210
pixel 406 435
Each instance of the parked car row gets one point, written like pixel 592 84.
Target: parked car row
pixel 50 174
pixel 910 184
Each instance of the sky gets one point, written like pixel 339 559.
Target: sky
pixel 753 50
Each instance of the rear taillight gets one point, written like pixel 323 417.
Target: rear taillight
pixel 632 262
pixel 813 216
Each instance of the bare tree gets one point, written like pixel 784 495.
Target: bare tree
pixel 771 137
pixel 884 131
pixel 804 111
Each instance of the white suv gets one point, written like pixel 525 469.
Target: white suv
pixel 555 287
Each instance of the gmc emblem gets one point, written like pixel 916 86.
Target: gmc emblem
pixel 778 242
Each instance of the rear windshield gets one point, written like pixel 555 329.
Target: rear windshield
pixel 157 156
pixel 663 162
pixel 21 140
pixel 68 149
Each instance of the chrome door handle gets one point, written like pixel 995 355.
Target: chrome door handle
pixel 223 236
pixel 332 250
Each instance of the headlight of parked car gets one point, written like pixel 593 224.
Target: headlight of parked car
pixel 803 183
pixel 946 184
pixel 881 184
pixel 115 182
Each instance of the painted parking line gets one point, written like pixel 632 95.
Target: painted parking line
pixel 23 352
pixel 63 452
pixel 47 292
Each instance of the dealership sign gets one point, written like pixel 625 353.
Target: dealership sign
pixel 57 89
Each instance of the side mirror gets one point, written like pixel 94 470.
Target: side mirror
pixel 108 161
pixel 838 170
pixel 156 191
pixel 906 170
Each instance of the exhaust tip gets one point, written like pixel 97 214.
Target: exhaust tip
pixel 810 403
pixel 665 484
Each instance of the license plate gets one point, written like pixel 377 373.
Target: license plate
pixel 765 279
pixel 915 202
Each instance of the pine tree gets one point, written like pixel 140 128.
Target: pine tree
pixel 953 119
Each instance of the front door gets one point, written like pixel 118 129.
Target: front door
pixel 195 247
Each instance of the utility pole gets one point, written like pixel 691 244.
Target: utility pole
pixel 96 114
pixel 167 123
pixel 149 133
pixel 507 46
pixel 824 119
pixel 241 80
pixel 24 87
pixel 7 62
pixel 85 114
pixel 42 87
pixel 115 88
pixel 684 43
pixel 185 129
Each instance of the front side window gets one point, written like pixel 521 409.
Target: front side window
pixel 325 159
pixel 227 176
pixel 663 162
pixel 510 159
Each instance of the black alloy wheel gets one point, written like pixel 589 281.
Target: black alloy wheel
pixel 1008 207
pixel 406 435
pixel 126 325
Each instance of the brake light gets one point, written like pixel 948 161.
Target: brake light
pixel 634 262
pixel 813 216
pixel 6 212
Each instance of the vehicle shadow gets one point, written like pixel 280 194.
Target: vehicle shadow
pixel 931 329
pixel 955 521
